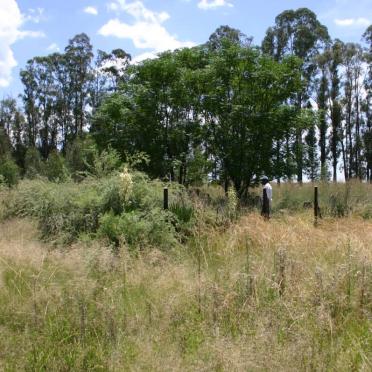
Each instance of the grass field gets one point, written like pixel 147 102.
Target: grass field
pixel 278 295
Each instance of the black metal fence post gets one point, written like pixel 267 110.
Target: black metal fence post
pixel 165 195
pixel 316 205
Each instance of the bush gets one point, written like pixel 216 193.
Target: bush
pixel 290 200
pixel 183 212
pixel 63 210
pixel 2 181
pixel 33 163
pixel 95 207
pixel 335 200
pixel 80 156
pixel 105 163
pixel 55 168
pixel 366 212
pixel 138 229
pixel 9 171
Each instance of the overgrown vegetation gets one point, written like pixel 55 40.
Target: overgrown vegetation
pixel 128 207
pixel 226 109
pixel 222 302
pixel 96 275
pixel 121 283
pixel 98 208
pixel 335 200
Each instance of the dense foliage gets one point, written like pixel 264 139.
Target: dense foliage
pixel 226 110
pixel 103 208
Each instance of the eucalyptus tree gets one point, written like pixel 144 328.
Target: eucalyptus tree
pixel 367 107
pixel 79 55
pixel 63 97
pixel 227 33
pixel 12 126
pixel 39 98
pixel 311 160
pixel 298 33
pixel 12 147
pixel 18 138
pixel 56 95
pixel 5 146
pixel 334 61
pixel 30 104
pixel 322 96
pixel 109 71
pixel 8 109
pixel 7 116
pixel 352 62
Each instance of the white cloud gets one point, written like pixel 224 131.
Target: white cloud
pixel 11 21
pixel 53 48
pixel 144 35
pixel 213 4
pixel 146 31
pixel 347 22
pixel 141 57
pixel 91 10
pixel 138 11
pixel 34 15
pixel 29 33
pixel 344 22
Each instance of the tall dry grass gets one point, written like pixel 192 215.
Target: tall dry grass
pixel 335 200
pixel 258 296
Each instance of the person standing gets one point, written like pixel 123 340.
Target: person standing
pixel 266 199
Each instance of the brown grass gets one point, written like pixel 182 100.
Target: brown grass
pixel 278 295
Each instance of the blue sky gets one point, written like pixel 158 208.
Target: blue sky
pixel 144 27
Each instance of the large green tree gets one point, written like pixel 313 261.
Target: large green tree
pixel 298 33
pixel 367 106
pixel 223 103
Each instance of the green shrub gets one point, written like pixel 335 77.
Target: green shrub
pixel 55 168
pixel 2 181
pixel 105 163
pixel 336 200
pixel 80 157
pixel 183 212
pixel 289 200
pixel 138 229
pixel 64 211
pixel 338 206
pixel 367 212
pixel 33 163
pixel 95 207
pixel 111 197
pixel 146 194
pixel 109 228
pixel 9 171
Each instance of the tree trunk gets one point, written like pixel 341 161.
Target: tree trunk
pixel 346 173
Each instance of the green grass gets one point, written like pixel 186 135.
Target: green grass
pixel 335 200
pixel 207 294
pixel 91 309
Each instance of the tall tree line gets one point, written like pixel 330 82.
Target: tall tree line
pixel 298 105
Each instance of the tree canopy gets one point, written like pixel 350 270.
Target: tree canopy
pixel 225 111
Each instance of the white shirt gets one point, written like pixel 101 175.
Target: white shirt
pixel 269 191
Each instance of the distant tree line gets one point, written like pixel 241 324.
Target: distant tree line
pixel 227 110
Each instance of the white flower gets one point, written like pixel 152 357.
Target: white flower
pixel 126 183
